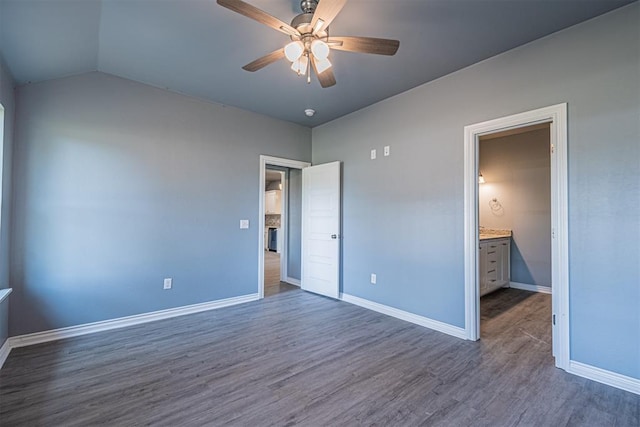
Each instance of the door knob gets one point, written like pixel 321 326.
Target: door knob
pixel 334 236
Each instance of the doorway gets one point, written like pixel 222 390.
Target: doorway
pixel 320 225
pixel 555 117
pixel 275 218
pixel 514 208
pixel 282 237
pixel 279 225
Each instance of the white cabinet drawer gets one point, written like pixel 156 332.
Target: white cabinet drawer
pixel 493 267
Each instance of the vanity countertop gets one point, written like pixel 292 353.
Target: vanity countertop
pixel 488 233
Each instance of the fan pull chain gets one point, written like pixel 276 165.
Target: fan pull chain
pixel 308 69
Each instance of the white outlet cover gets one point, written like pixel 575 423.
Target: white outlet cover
pixel 387 150
pixel 374 279
pixel 168 282
pixel 244 224
pixel 373 154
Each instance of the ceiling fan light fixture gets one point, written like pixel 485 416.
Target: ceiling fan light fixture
pixel 309 34
pixel 294 50
pixel 300 65
pixel 323 65
pixel 320 49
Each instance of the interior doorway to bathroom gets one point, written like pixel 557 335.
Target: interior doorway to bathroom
pixel 556 118
pixel 514 212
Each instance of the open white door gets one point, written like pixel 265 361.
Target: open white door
pixel 321 229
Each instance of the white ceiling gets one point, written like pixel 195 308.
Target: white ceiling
pixel 197 47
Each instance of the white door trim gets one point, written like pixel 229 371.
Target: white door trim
pixel 264 161
pixel 556 115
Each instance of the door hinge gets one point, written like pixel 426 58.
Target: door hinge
pixel 553 149
pixel 553 234
pixel 554 320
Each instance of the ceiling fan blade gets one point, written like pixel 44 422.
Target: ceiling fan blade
pixel 327 11
pixel 365 45
pixel 262 62
pixel 259 15
pixel 326 78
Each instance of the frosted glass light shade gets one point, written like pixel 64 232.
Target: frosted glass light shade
pixel 300 65
pixel 320 49
pixel 293 50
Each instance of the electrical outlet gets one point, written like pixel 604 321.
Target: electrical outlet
pixel 374 278
pixel 168 282
pixel 373 154
pixel 387 150
pixel 244 224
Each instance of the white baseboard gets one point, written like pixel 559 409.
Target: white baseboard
pixel 4 352
pixel 292 281
pixel 605 377
pixel 123 322
pixel 593 373
pixel 405 315
pixel 531 288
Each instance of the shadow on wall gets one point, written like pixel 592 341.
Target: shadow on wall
pixel 37 311
pixel 520 271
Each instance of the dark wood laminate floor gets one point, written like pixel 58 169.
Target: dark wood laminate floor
pixel 301 359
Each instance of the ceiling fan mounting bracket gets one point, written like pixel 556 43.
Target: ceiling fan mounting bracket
pixel 308 6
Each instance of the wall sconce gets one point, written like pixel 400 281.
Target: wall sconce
pixel 481 179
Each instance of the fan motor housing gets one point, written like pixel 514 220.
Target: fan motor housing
pixel 302 23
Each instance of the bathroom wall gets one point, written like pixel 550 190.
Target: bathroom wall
pixel 516 195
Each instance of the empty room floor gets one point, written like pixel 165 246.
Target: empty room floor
pixel 301 359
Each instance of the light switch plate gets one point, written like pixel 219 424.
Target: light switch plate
pixel 168 282
pixel 244 223
pixel 374 278
pixel 387 150
pixel 373 154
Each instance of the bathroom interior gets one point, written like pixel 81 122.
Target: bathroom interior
pixel 514 206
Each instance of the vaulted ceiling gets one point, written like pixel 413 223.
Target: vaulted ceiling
pixel 197 47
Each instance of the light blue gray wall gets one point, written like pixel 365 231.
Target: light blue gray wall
pixel 119 185
pixel 8 102
pixel 403 214
pixel 517 171
pixel 294 253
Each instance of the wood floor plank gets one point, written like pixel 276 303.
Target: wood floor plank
pixel 300 359
pixel 272 283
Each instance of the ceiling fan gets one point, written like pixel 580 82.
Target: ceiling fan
pixel 310 41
